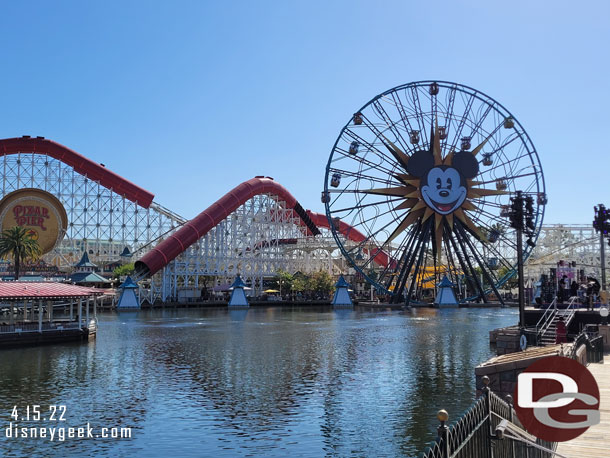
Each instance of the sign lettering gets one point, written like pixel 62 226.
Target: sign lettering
pixel 31 215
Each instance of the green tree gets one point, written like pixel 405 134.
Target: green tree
pixel 283 280
pixel 299 284
pixel 125 269
pixel 17 243
pixel 322 282
pixel 479 273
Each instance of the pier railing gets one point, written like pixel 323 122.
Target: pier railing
pixel 594 345
pixel 36 327
pixel 481 433
pixel 490 427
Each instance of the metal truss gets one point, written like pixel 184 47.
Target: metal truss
pixel 101 222
pixel 263 236
pixel 255 241
pixel 556 242
pixel 569 243
pixel 259 238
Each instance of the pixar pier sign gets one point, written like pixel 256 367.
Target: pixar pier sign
pixel 31 215
pixel 40 212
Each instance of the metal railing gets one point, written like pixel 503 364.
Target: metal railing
pixel 595 353
pixel 474 435
pixel 546 319
pixel 34 327
pixel 594 345
pixel 551 313
pixel 570 311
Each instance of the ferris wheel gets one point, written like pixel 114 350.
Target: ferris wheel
pixel 418 187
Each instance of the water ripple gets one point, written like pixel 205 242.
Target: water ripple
pixel 271 382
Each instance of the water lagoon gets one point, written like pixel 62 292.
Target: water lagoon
pixel 274 381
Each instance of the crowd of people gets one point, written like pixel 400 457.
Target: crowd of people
pixel 587 292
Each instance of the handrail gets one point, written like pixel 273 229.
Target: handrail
pixel 167 212
pixel 552 306
pixel 568 314
pixel 34 327
pixel 594 346
pixel 570 310
pixel 546 321
pixel 475 433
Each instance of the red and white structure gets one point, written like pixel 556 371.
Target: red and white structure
pixel 253 230
pixel 106 212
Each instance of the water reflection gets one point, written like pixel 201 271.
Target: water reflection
pixel 273 382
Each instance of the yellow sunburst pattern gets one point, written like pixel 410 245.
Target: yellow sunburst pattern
pixel 437 190
pixel 421 209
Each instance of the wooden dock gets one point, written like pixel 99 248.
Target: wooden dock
pixel 595 441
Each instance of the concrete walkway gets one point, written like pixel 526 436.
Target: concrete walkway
pixel 595 442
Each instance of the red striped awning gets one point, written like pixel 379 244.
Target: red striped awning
pixel 15 291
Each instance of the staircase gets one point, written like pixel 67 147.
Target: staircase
pixel 546 332
pixel 548 338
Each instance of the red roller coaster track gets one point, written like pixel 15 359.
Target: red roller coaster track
pixel 196 228
pixel 199 226
pixel 81 164
pixel 350 233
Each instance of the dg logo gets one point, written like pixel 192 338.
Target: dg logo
pixel 557 399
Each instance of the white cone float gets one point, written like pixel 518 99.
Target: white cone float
pixel 128 299
pixel 238 295
pixel 342 299
pixel 445 296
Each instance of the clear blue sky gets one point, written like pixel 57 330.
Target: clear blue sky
pixel 189 98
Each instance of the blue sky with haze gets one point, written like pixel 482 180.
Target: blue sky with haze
pixel 190 98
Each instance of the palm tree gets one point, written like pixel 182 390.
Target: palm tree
pixel 18 243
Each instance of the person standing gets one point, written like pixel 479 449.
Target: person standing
pixel 589 292
pixel 593 288
pixel 562 289
pixel 596 289
pixel 573 289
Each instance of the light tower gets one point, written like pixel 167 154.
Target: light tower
pixel 602 226
pixel 522 220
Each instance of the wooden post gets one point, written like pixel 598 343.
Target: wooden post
pixel 50 305
pixel 12 311
pixel 71 308
pixel 80 311
pixel 25 310
pixel 95 307
pixel 87 312
pixel 39 314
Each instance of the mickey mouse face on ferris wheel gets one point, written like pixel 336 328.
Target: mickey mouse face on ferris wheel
pixel 443 187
